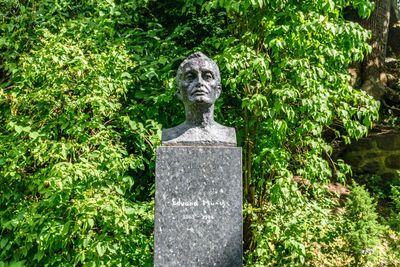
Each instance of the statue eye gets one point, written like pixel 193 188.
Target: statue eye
pixel 190 76
pixel 208 76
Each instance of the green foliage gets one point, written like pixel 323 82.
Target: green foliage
pixel 305 234
pixel 393 233
pixel 87 85
pixel 362 228
pixel 288 65
pixel 394 218
pixel 67 174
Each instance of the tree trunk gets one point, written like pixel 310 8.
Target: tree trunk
pixel 373 75
pixel 394 30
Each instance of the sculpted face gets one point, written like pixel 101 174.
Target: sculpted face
pixel 198 81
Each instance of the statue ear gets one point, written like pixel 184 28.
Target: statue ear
pixel 218 90
pixel 178 94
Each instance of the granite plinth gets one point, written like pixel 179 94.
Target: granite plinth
pixel 198 213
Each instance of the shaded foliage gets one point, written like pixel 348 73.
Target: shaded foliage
pixel 87 87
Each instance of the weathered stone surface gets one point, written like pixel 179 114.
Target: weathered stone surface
pixel 198 217
pixel 389 177
pixel 354 159
pixel 378 154
pixel 371 155
pixel 389 141
pixel 362 144
pixel 372 167
pixel 393 162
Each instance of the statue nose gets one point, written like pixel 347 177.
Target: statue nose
pixel 200 81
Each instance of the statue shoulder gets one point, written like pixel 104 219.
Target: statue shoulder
pixel 185 134
pixel 226 129
pixel 172 133
pixel 228 133
pixel 231 131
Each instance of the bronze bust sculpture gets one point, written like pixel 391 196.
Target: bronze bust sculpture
pixel 199 86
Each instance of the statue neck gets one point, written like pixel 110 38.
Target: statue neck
pixel 200 115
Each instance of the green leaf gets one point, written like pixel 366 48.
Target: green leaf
pixel 33 135
pixel 100 249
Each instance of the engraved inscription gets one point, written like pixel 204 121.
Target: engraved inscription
pixel 199 203
pixel 177 202
pixel 198 217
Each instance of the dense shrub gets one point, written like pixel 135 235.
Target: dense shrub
pixel 86 87
pixel 393 233
pixel 67 172
pixel 362 228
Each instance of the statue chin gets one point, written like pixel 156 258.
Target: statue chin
pixel 201 100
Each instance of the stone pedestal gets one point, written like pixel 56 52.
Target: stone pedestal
pixel 198 213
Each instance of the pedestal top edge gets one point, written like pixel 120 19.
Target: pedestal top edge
pixel 202 147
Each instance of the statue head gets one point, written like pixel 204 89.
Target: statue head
pixel 198 80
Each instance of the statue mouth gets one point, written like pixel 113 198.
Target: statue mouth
pixel 200 92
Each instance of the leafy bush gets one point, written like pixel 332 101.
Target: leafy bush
pixel 66 171
pixel 306 234
pixel 87 86
pixel 362 228
pixel 395 211
pixel 393 233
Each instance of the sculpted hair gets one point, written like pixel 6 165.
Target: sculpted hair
pixel 199 56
